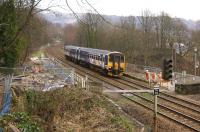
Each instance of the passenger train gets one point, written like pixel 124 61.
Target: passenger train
pixel 110 63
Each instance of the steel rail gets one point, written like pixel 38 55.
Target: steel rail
pixel 174 97
pixel 163 114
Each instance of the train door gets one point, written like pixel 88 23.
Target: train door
pixel 102 61
pixel 115 59
pixel 117 63
pixel 77 55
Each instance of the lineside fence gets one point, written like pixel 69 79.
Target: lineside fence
pixel 77 79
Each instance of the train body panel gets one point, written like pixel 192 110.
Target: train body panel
pixel 111 63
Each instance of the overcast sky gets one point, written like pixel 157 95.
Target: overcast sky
pixel 188 9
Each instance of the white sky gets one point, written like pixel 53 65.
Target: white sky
pixel 188 9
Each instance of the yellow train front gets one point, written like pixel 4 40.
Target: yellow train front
pixel 115 64
pixel 110 63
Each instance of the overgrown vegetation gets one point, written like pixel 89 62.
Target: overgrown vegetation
pixel 22 31
pixel 9 54
pixel 21 120
pixel 70 109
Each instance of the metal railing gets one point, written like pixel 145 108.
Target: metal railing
pixel 183 78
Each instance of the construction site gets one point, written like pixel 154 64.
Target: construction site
pixel 46 96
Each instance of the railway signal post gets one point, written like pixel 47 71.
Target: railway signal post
pixel 156 93
pixel 167 70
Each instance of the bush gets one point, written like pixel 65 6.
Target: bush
pixel 21 120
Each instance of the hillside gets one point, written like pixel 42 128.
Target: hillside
pixel 65 18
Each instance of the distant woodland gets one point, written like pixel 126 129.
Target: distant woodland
pixel 145 39
pixel 144 43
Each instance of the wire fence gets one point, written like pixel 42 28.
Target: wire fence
pixel 141 68
pixel 42 74
pixel 184 78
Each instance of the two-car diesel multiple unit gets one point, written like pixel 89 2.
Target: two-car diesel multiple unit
pixel 110 63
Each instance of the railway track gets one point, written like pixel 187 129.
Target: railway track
pixel 126 83
pixel 144 85
pixel 195 107
pixel 169 116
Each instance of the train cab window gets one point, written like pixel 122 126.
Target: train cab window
pixel 122 58
pixel 106 60
pixel 111 58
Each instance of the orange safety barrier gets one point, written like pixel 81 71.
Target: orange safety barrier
pixel 147 75
pixel 153 76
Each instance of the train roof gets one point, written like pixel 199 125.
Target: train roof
pixel 72 47
pixel 95 51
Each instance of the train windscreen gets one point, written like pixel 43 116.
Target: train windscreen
pixel 115 57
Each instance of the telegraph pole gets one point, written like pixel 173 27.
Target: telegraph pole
pixel 195 61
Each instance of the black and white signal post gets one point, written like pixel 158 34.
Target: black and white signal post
pixel 156 93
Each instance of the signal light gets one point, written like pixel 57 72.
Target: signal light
pixel 167 69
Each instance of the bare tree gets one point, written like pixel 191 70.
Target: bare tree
pixel 90 28
pixel 163 28
pixel 146 22
pixel 25 10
